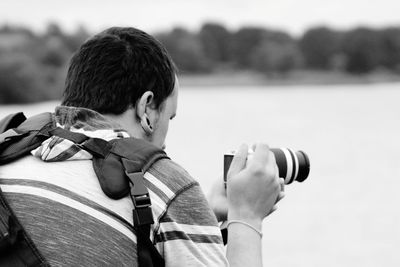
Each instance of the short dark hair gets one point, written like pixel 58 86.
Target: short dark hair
pixel 113 69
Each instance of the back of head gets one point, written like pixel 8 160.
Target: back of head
pixel 113 69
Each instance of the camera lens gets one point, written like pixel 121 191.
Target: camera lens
pixel 293 166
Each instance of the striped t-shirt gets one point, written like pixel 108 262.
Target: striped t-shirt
pixel 73 223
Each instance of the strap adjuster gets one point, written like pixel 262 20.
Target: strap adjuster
pixel 142 214
pixel 141 202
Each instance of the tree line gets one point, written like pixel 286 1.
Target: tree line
pixel 213 47
pixel 33 65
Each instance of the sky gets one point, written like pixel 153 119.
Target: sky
pixel 293 16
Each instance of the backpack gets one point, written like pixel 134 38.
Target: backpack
pixel 119 165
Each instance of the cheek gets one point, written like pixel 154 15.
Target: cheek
pixel 161 132
pixel 165 129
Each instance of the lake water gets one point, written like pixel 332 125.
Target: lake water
pixel 347 212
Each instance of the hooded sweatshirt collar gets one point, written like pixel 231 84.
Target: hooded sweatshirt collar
pixel 80 120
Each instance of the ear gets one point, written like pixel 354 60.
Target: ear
pixel 145 102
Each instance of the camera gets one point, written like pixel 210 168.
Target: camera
pixel 292 165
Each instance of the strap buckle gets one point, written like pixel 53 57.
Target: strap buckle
pixel 142 214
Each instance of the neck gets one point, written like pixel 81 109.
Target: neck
pixel 128 122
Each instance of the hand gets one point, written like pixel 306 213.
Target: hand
pixel 253 187
pixel 218 201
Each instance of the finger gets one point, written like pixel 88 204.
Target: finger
pixel 239 160
pixel 253 147
pixel 280 196
pixel 272 161
pixel 274 208
pixel 280 180
pixel 261 154
pixel 282 183
pixel 219 186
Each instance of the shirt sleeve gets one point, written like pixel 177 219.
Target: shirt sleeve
pixel 189 232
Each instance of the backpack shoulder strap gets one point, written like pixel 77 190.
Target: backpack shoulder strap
pixel 125 156
pixel 120 165
pixel 16 247
pixel 17 136
pixel 136 157
pixel 8 123
pixel 11 121
pixel 29 134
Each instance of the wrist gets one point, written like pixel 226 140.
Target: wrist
pixel 245 216
pixel 241 224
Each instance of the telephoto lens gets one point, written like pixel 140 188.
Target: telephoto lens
pixel 293 166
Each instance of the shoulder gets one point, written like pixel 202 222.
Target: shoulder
pixel 186 231
pixel 186 203
pixel 169 183
pixel 179 196
pixel 172 175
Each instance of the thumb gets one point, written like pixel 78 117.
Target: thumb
pixel 239 160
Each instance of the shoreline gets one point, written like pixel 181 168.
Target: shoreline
pixel 246 78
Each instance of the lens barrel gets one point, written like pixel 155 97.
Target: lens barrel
pixel 293 166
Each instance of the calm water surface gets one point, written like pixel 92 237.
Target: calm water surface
pixel 347 213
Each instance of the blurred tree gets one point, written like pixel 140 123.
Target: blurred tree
pixel 19 79
pixel 390 47
pixel 6 28
pixel 276 53
pixel 215 40
pixel 54 53
pixel 33 66
pixel 320 47
pixel 362 49
pixel 243 42
pixel 18 40
pixel 53 29
pixel 75 40
pixel 186 50
pixel 16 30
pixel 272 57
